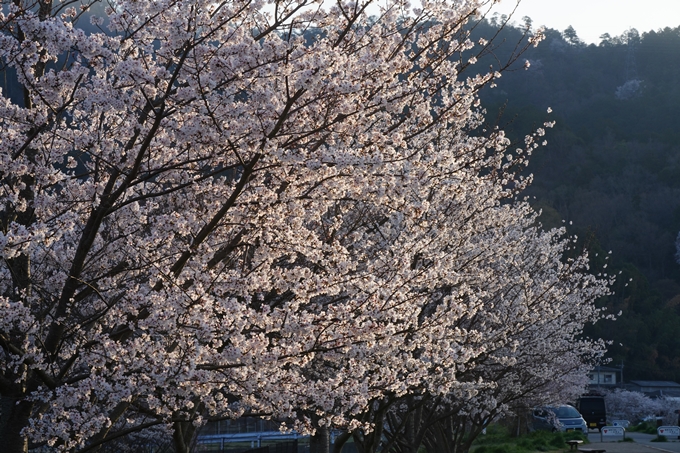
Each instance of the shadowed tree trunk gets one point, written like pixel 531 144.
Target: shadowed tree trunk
pixel 340 441
pixel 320 442
pixel 14 415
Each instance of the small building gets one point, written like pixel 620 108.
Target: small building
pixel 655 388
pixel 604 377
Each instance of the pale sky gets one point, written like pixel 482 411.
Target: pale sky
pixel 592 18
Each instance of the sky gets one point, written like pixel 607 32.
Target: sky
pixel 592 18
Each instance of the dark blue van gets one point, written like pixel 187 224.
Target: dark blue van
pixel 593 410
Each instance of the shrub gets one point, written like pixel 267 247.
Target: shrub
pixel 644 427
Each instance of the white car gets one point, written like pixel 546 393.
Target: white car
pixel 559 418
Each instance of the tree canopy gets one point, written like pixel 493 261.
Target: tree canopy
pixel 286 209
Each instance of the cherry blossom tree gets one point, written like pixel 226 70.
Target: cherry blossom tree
pixel 540 363
pixel 636 406
pixel 276 208
pixel 631 406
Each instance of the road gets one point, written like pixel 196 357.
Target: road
pixel 643 444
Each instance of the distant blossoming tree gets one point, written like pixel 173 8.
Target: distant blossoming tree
pixel 283 208
pixel 631 406
pixel 635 406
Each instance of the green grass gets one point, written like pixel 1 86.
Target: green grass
pixel 659 439
pixel 498 440
pixel 643 427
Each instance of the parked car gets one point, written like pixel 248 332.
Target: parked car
pixel 558 418
pixel 594 411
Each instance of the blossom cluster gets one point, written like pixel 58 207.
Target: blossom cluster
pixel 282 208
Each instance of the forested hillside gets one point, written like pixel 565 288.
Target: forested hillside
pixel 611 171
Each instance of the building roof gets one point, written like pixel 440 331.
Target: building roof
pixel 674 394
pixel 605 368
pixel 656 384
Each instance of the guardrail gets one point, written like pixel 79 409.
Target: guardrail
pixel 255 438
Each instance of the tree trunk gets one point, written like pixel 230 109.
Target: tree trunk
pixel 183 437
pixel 14 415
pixel 320 441
pixel 340 441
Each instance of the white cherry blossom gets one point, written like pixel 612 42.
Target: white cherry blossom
pixel 274 208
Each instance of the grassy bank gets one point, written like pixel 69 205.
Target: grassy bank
pixel 498 440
